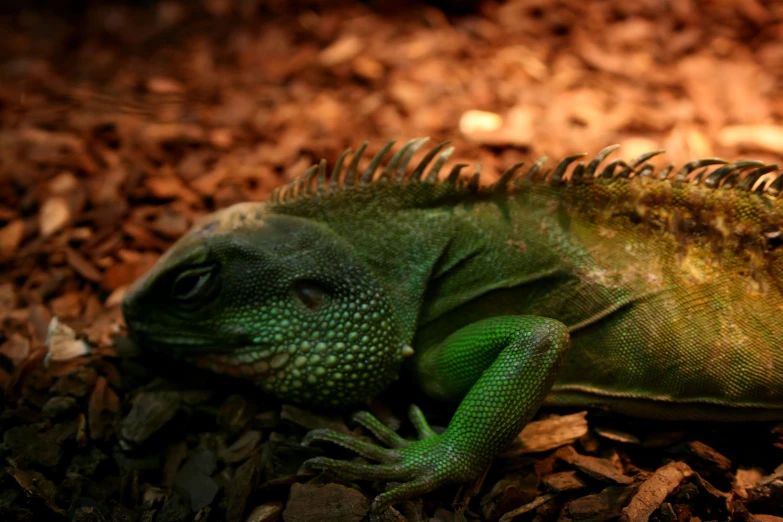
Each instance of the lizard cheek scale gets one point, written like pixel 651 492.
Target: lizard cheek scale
pixel 343 354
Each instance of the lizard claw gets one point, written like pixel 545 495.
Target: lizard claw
pixel 365 449
pixel 422 465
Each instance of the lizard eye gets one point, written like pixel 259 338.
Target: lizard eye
pixel 310 294
pixel 194 284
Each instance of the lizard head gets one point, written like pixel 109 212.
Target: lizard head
pixel 277 299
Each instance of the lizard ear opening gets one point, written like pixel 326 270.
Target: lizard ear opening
pixel 310 294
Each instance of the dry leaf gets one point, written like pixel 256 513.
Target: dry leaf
pixel 62 343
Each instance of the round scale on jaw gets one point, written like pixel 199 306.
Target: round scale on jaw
pixel 261 368
pixel 279 360
pixel 341 355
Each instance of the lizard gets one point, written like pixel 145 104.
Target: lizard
pixel 651 292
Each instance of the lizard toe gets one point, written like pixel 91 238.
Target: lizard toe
pixel 353 443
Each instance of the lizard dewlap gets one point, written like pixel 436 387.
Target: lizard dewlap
pixel 653 293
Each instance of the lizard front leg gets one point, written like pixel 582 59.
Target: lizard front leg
pixel 501 367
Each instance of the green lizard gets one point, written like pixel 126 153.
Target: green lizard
pixel 666 285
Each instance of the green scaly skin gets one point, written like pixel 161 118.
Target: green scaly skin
pixel 668 291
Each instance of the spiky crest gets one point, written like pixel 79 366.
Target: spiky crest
pixel 748 175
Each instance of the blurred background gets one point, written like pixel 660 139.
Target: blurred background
pixel 122 122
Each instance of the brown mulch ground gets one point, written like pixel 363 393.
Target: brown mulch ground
pixel 120 123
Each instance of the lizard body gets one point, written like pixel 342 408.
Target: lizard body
pixel 668 291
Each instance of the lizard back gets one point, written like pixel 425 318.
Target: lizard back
pixel 669 281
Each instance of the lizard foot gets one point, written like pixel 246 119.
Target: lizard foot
pixel 421 465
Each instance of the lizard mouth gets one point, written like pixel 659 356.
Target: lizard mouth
pixel 173 344
pixel 241 362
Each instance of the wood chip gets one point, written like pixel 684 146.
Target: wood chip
pixel 11 237
pixel 163 85
pixel 242 448
pixel 632 148
pixel 768 518
pixel 37 485
pixel 170 224
pixel 53 216
pixel 754 137
pixel 600 469
pixel 616 435
pixel 103 411
pixel 312 420
pixel 68 305
pixel 115 298
pixel 150 412
pixel 606 505
pixel 235 413
pixel 654 490
pixel 62 343
pixel 488 128
pixel 330 502
pixel 245 483
pixel 8 298
pixel 769 487
pixel 527 508
pixel 55 148
pixel 340 51
pixel 509 492
pixel 707 462
pixel 563 481
pixel 472 122
pixel 550 433
pixel 269 512
pixel 82 266
pixel 746 479
pixel 165 187
pixel 16 348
